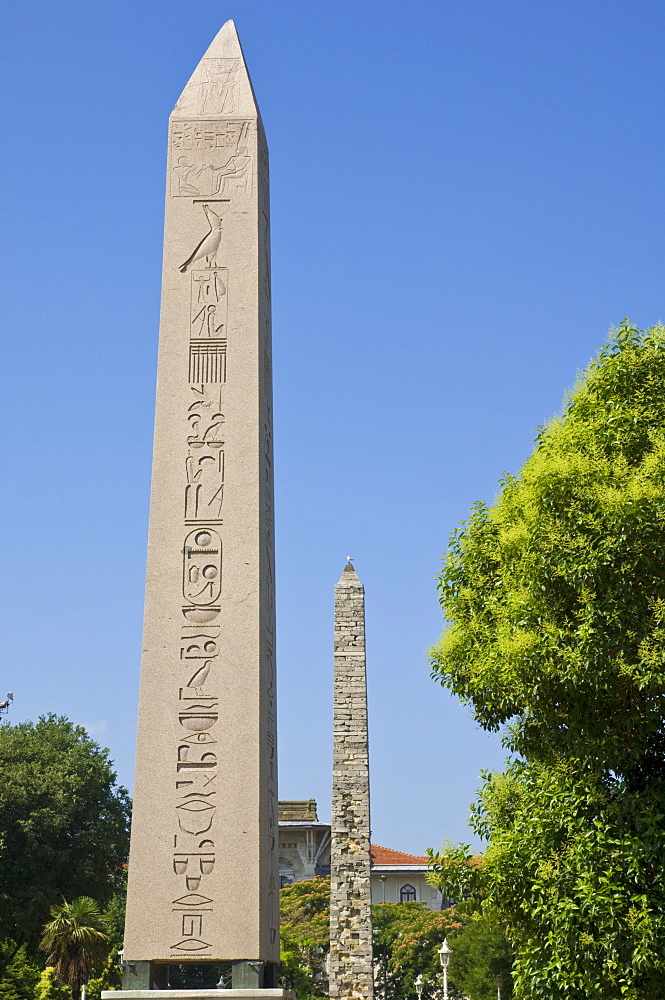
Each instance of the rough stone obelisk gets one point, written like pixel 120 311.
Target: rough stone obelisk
pixel 350 964
pixel 203 867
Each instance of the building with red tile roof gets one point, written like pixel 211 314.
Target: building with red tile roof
pixel 304 852
pixel 386 856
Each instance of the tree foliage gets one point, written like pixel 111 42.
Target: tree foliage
pixel 110 977
pixel 407 937
pixel 64 824
pixel 20 978
pixel 555 596
pixel 305 937
pixel 48 987
pixel 76 942
pixel 482 959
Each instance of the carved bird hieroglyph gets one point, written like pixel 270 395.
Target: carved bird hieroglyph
pixel 209 245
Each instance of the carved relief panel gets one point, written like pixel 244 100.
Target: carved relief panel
pixel 211 159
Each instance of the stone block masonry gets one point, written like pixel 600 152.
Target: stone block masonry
pixel 351 961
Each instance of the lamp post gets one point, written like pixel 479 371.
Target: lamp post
pixel 444 958
pixel 419 986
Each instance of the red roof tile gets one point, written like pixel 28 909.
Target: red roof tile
pixel 386 856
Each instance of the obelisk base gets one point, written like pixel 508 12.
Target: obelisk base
pixel 246 976
pixel 198 994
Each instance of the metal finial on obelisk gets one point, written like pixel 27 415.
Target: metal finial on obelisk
pixel 203 866
pixel 350 962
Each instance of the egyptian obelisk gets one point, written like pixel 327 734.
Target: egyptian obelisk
pixel 203 867
pixel 350 964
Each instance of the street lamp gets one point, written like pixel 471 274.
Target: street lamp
pixel 419 986
pixel 444 958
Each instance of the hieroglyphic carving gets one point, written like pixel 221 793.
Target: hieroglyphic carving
pixel 198 707
pixel 208 246
pixel 214 89
pixel 204 464
pixel 268 540
pixel 195 814
pixel 200 615
pixel 271 741
pixel 194 853
pixel 201 575
pixel 267 519
pixel 207 327
pixel 200 645
pixel 202 567
pixel 190 136
pixel 208 309
pixel 211 159
pixel 219 86
pixel 207 362
pixel 265 269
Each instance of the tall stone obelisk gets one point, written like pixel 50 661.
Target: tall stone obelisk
pixel 350 964
pixel 203 866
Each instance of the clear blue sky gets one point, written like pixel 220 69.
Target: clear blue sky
pixel 466 196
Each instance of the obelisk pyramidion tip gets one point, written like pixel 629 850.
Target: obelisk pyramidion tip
pixel 349 576
pixel 220 84
pixel 225 44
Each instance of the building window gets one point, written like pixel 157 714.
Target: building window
pixel 407 894
pixel 286 873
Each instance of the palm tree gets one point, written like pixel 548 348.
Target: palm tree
pixel 76 941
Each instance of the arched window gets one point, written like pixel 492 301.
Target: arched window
pixel 407 894
pixel 286 874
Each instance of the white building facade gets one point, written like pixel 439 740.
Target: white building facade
pixel 304 853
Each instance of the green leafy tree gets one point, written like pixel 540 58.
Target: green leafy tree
pixel 407 937
pixel 305 937
pixel 64 825
pixel 481 960
pixel 48 987
pixel 110 977
pixel 20 978
pixel 555 596
pixel 76 942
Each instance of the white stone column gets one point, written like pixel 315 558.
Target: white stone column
pixel 350 963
